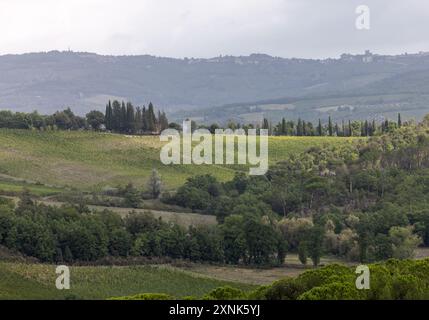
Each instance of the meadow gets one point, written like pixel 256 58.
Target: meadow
pixel 91 161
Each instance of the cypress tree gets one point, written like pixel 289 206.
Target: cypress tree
pixel 129 124
pixel 151 118
pixel 283 130
pixel 138 121
pixel 144 120
pixel 330 128
pixel 116 116
pixel 299 130
pixel 108 116
pixel 123 118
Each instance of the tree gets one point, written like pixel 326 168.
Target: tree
pixel 151 119
pixel 123 118
pixel 426 120
pixel 299 128
pixel 315 244
pixel 330 127
pixel 130 119
pixel 404 242
pixel 109 116
pixel 120 243
pixel 302 252
pixel 95 119
pixel 132 196
pixel 116 116
pixel 319 129
pixel 234 239
pixel 155 184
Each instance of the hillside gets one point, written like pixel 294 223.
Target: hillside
pixel 91 160
pixel 83 81
pixel 37 281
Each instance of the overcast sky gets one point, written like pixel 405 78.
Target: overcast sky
pixel 207 28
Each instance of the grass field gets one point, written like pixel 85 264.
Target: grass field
pixel 37 281
pixel 10 187
pixel 182 218
pixel 89 160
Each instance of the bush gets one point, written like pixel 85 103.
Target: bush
pixel 145 296
pixel 225 293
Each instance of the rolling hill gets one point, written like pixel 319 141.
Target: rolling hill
pixel 84 81
pixel 90 160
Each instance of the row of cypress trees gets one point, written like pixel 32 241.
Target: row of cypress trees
pixel 351 128
pixel 125 118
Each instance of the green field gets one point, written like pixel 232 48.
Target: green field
pixel 89 160
pixel 37 281
pixel 15 187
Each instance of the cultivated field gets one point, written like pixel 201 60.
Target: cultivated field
pixel 88 160
pixel 37 281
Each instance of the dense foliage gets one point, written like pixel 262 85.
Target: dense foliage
pixel 365 201
pixel 74 234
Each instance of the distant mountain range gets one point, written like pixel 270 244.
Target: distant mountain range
pixel 244 88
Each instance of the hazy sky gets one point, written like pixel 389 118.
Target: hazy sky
pixel 207 28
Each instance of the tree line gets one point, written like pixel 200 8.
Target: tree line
pixel 76 234
pixel 300 127
pixel 350 128
pixel 119 117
